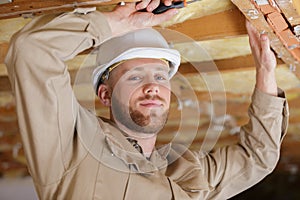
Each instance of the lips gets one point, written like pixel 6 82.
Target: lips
pixel 151 103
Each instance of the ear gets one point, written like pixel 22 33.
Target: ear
pixel 104 95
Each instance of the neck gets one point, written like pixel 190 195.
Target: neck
pixel 145 140
pixel 147 144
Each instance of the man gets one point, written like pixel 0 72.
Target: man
pixel 72 154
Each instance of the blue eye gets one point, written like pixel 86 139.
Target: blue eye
pixel 134 78
pixel 161 77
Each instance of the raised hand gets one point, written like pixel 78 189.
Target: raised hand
pixel 128 17
pixel 265 60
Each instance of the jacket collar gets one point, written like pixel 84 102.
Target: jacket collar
pixel 137 162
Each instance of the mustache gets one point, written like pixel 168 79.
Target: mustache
pixel 151 97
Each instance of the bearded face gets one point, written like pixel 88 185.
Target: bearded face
pixel 140 96
pixel 149 121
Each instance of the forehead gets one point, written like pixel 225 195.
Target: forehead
pixel 141 64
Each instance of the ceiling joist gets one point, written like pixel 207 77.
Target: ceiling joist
pixel 237 63
pixel 209 27
pixel 31 8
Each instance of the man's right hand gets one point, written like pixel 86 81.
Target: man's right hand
pixel 126 18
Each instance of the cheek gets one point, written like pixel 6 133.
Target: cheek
pixel 122 95
pixel 128 95
pixel 165 93
pixel 134 97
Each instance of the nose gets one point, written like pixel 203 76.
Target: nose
pixel 151 89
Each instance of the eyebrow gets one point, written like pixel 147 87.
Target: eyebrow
pixel 139 69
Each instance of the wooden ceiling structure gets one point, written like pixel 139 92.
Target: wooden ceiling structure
pixel 218 27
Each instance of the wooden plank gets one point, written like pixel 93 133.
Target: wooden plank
pixel 24 7
pixel 241 62
pixel 296 4
pixel 258 20
pixel 237 63
pixel 3 51
pixel 4 84
pixel 289 11
pixel 224 24
pixel 224 65
pixel 233 24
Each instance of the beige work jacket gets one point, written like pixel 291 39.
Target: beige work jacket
pixel 73 155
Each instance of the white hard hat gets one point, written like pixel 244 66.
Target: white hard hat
pixel 142 43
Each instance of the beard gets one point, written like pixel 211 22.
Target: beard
pixel 136 121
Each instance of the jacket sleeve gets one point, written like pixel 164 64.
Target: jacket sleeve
pixel 46 106
pixel 234 168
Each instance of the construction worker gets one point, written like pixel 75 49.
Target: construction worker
pixel 72 154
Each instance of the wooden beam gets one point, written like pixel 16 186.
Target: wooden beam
pixel 224 24
pixel 296 4
pixel 3 51
pixel 25 7
pixel 278 45
pixel 4 84
pixel 203 28
pixel 224 65
pixel 237 63
pixel 208 28
pixel 290 11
